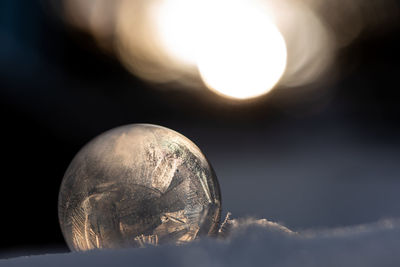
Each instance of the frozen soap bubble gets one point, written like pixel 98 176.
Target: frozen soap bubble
pixel 135 185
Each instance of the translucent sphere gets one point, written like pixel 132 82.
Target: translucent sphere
pixel 135 185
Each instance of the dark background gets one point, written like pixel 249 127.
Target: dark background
pixel 319 160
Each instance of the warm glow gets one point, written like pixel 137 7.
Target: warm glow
pixel 245 55
pixel 178 24
pixel 237 49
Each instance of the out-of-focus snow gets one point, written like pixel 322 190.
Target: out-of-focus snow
pixel 251 242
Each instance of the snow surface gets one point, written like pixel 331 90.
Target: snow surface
pixel 251 242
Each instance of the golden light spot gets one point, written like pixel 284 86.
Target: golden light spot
pixel 237 49
pixel 245 54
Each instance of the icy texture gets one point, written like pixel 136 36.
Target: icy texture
pixel 136 185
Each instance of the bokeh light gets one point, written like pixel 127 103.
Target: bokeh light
pixel 244 55
pixel 179 27
pixel 238 48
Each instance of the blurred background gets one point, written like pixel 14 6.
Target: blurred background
pixel 320 147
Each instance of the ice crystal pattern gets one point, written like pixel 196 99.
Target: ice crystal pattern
pixel 136 185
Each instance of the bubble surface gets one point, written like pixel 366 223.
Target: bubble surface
pixel 136 185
